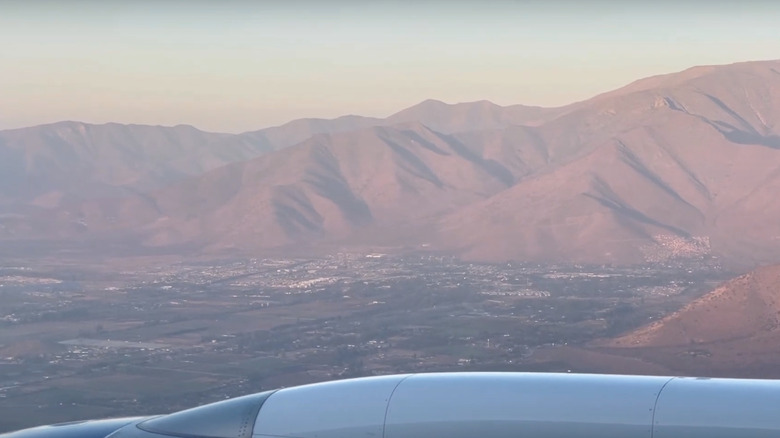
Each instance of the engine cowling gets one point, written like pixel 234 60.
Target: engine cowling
pixel 465 405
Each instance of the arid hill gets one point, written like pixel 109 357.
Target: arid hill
pixel 744 309
pixel 733 330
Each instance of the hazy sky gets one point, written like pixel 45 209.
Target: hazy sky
pixel 233 66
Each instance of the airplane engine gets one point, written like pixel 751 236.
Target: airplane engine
pixel 467 405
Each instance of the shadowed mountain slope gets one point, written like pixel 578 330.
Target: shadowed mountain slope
pixel 393 178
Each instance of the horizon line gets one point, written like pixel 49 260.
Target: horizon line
pixel 433 100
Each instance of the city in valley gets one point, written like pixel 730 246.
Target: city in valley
pixel 85 341
pixel 206 200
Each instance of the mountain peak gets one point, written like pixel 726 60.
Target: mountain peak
pixel 465 116
pixel 436 105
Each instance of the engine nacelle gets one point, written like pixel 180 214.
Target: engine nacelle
pixel 465 405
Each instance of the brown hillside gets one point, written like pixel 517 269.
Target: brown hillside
pixel 744 309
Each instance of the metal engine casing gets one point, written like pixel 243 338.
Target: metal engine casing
pixel 465 405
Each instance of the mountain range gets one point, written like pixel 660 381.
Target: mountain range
pixel 683 165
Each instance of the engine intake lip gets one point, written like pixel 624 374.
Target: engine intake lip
pixel 233 418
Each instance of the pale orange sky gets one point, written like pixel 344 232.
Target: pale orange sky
pixel 235 66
